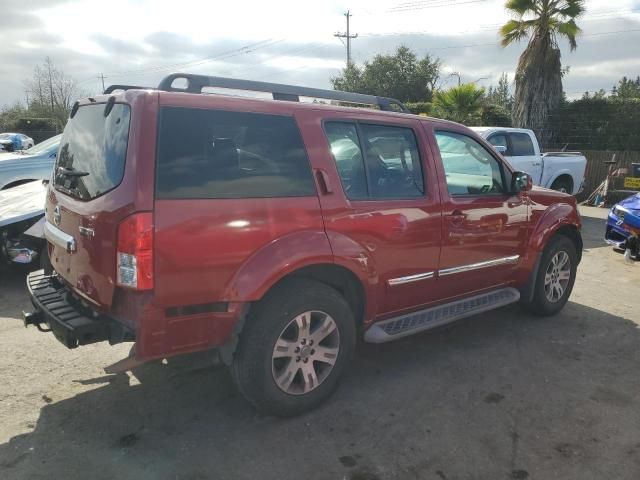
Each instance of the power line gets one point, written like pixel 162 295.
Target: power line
pixel 249 48
pixel 425 5
pixel 348 36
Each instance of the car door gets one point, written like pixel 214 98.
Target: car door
pixel 524 154
pixel 382 206
pixel 484 226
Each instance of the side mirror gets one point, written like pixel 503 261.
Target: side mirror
pixel 500 149
pixel 521 182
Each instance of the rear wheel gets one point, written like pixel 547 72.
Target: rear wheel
pixel 563 184
pixel 556 276
pixel 294 347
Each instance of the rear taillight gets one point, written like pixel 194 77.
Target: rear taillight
pixel 135 252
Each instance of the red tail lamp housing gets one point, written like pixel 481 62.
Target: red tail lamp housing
pixel 135 252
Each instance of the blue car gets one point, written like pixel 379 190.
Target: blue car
pixel 623 221
pixel 10 142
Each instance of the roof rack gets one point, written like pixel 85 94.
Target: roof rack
pixel 113 88
pixel 279 91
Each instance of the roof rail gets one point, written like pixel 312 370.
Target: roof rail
pixel 195 84
pixel 113 88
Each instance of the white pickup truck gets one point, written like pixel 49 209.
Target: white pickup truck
pixel 563 171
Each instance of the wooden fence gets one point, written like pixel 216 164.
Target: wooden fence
pixel 597 170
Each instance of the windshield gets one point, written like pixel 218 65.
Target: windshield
pixel 48 145
pixel 92 151
pixel 6 136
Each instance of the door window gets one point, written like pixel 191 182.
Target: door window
pixel 500 140
pixel 390 168
pixel 521 144
pixel 469 168
pixel 345 148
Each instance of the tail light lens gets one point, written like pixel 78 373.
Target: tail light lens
pixel 135 252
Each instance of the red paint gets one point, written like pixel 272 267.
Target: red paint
pixel 210 251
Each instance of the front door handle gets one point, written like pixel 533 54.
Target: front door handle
pixel 457 217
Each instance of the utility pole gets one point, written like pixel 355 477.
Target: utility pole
pixel 102 77
pixel 348 36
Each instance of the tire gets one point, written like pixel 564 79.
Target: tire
pixel 562 185
pixel 547 300
pixel 278 318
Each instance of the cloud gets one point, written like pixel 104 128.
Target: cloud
pixel 117 47
pixel 153 44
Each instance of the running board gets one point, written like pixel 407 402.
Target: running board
pixel 404 325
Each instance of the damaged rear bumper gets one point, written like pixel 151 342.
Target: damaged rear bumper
pixel 71 323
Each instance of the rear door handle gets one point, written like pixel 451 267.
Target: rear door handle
pixel 324 181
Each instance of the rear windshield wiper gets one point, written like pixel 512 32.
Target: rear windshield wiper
pixel 70 172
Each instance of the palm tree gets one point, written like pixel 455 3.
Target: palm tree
pixel 461 104
pixel 539 73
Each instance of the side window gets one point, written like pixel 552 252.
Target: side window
pixel 345 147
pixel 469 168
pixel 390 167
pixel 393 162
pixel 521 144
pixel 499 140
pixel 220 154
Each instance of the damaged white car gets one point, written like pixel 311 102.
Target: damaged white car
pixel 22 225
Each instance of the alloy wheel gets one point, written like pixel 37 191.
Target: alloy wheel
pixel 557 276
pixel 305 353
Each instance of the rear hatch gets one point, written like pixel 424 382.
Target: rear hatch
pixel 94 188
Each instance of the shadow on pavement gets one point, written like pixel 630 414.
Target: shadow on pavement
pixel 593 230
pixel 502 395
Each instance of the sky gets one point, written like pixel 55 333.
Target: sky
pixel 140 41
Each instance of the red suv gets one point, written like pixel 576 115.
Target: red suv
pixel 279 231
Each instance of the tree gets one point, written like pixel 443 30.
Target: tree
pixel 50 92
pixel 539 73
pixel 627 88
pixel 599 95
pixel 461 104
pixel 495 115
pixel 350 80
pixel 501 94
pixel 401 76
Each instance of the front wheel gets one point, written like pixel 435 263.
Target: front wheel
pixel 294 347
pixel 556 276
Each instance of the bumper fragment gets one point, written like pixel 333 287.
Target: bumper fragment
pixel 69 323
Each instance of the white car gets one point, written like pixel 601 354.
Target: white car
pixel 10 142
pixel 562 171
pixel 22 166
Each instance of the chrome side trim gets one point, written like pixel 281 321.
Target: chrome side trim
pixel 56 236
pixel 476 266
pixel 410 278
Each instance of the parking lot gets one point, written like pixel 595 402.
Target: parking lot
pixel 501 395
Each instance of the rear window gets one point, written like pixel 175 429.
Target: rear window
pixel 221 154
pixel 521 144
pixel 92 151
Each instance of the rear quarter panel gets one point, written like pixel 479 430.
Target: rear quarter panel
pixel 225 250
pixel 554 166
